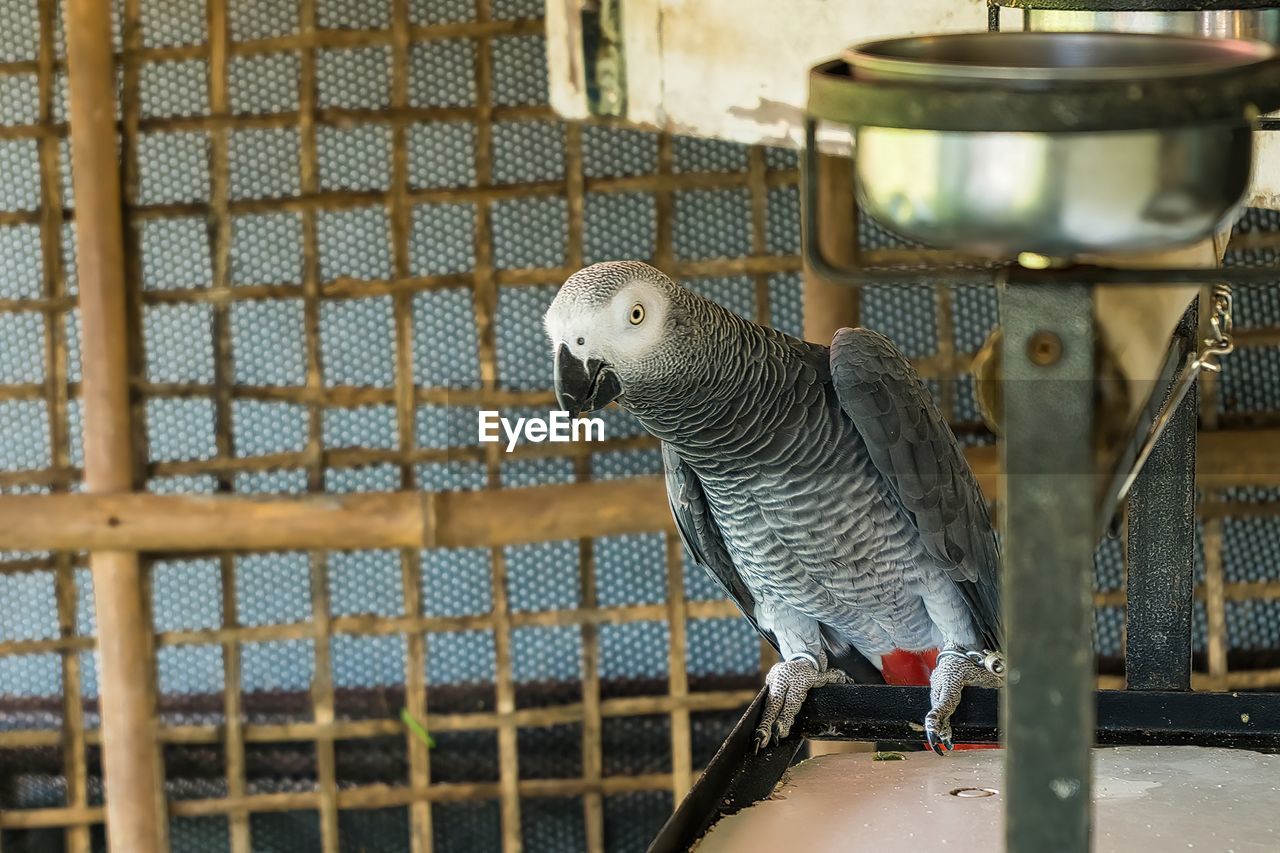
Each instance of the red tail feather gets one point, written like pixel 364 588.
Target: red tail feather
pixel 910 668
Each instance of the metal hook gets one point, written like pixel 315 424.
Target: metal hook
pixel 1221 344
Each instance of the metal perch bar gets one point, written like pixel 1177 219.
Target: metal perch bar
pixel 739 776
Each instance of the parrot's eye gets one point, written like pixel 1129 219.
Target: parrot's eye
pixel 637 314
pixel 582 342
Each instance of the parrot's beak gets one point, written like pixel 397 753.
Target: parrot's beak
pixel 583 388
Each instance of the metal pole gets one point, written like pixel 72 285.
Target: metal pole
pixel 1160 550
pixel 134 790
pixel 1049 529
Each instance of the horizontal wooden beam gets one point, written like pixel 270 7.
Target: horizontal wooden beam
pixel 147 522
pixel 177 523
pixel 1224 458
pixel 1238 457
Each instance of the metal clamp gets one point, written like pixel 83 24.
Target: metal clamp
pixel 992 662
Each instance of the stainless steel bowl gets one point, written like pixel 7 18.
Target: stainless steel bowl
pixel 1058 194
pixel 1061 193
pixel 1260 24
pixel 1033 60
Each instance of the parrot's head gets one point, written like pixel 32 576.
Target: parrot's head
pixel 611 327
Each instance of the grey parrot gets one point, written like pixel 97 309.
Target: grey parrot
pixel 819 486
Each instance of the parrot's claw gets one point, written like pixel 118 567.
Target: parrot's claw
pixel 938 732
pixel 762 739
pixel 788 684
pixel 956 670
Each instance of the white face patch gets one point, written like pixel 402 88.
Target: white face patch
pixel 621 332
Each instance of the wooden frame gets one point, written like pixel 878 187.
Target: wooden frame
pixel 1239 450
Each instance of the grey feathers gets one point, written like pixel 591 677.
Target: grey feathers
pixel 919 457
pixel 820 487
pixel 701 535
pixel 699 532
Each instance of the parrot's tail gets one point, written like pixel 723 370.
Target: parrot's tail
pixel 914 669
pixel 909 668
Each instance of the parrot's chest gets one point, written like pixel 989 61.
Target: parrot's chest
pixel 832 521
pixel 832 544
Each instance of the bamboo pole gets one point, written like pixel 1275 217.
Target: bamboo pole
pixel 829 306
pixel 487 519
pixel 57 388
pixel 150 522
pixel 374 796
pixel 135 796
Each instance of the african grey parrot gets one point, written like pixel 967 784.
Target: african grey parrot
pixel 819 486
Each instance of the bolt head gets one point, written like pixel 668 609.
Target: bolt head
pixel 1044 348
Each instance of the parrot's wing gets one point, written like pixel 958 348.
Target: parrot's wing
pixel 701 536
pixel 920 459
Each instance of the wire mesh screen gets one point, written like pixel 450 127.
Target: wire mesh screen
pixel 345 220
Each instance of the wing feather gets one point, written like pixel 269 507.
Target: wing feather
pixel 917 454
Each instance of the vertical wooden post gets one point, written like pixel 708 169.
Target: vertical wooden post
pixel 829 306
pixel 134 793
pixel 401 217
pixel 56 390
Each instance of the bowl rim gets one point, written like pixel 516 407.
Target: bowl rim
pixel 1210 56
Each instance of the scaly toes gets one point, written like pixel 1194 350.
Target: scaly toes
pixel 769 714
pixel 763 733
pixel 789 683
pixel 786 719
pixel 938 732
pixel 833 676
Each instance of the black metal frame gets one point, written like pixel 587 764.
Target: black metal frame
pixel 1050 527
pixel 738 775
pixel 1162 542
pixel 1051 715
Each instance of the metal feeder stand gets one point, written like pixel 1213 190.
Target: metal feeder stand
pixel 961 99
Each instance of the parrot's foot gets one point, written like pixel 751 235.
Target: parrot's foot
pixel 788 684
pixel 956 670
